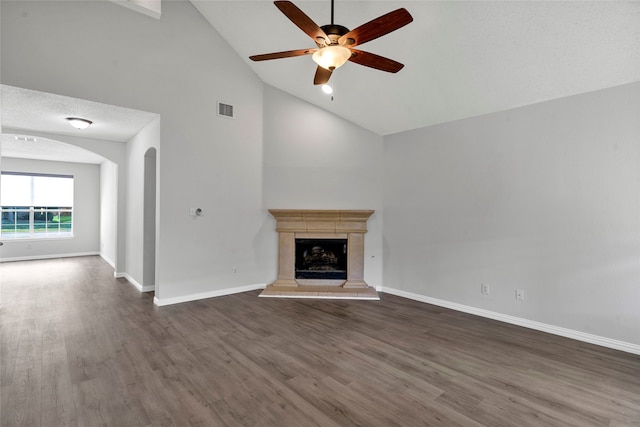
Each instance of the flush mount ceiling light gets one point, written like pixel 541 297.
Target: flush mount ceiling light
pixel 79 123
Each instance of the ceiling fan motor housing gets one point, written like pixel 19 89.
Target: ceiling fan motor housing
pixel 334 32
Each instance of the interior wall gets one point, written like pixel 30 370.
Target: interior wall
pixel 137 147
pixel 86 212
pixel 109 211
pixel 316 160
pixel 543 198
pixel 114 152
pixel 149 214
pixel 178 67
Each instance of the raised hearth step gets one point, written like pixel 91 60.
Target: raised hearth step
pixel 320 292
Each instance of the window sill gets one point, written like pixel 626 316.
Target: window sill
pixel 8 240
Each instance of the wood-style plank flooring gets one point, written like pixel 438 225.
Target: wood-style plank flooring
pixel 81 348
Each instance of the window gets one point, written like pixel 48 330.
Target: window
pixel 36 205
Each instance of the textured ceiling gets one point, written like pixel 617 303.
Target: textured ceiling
pixel 46 112
pixel 461 59
pixel 25 112
pixel 38 148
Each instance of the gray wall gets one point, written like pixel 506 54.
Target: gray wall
pixel 86 212
pixel 109 211
pixel 203 160
pixel 136 149
pixel 112 192
pixel 177 67
pixel 543 198
pixel 316 160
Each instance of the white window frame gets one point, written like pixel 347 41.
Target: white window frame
pixel 33 232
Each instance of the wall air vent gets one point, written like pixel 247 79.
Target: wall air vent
pixel 225 110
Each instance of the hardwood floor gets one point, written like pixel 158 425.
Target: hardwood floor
pixel 81 348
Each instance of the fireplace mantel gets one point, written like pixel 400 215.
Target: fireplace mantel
pixel 321 221
pixel 292 224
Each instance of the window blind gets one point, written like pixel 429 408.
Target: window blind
pixel 26 189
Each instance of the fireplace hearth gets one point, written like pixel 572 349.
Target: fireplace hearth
pixel 321 254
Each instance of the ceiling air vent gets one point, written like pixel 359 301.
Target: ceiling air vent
pixel 225 110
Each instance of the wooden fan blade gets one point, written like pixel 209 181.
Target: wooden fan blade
pixel 375 61
pixel 285 54
pixel 322 76
pixel 303 22
pixel 376 28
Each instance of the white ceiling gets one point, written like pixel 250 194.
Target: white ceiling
pixel 38 148
pixel 462 58
pixel 46 112
pixel 27 112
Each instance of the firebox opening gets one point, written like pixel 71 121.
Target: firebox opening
pixel 324 259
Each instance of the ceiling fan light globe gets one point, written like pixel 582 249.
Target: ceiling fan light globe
pixel 332 57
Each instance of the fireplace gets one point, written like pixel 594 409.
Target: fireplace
pixel 321 252
pixel 324 259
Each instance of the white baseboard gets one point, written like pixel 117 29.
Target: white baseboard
pixel 50 256
pixel 193 297
pixel 531 324
pixel 108 260
pixel 135 283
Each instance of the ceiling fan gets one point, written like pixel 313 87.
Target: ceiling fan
pixel 336 43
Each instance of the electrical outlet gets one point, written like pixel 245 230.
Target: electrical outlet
pixel 484 288
pixel 519 294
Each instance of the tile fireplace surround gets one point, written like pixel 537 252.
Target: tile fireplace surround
pixel 292 224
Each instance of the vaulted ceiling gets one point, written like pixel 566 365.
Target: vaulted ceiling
pixel 462 58
pixel 29 114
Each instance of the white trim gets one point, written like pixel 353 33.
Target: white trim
pixel 531 324
pixel 36 257
pixel 320 297
pixel 106 258
pixel 31 238
pixel 193 297
pixel 135 283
